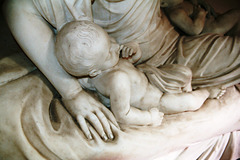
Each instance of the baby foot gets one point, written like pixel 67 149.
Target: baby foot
pixel 157 116
pixel 221 93
pixel 216 92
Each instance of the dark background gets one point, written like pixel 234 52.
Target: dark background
pixel 224 5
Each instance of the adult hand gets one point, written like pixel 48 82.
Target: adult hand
pixel 86 109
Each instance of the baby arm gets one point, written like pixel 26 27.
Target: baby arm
pixel 120 104
pixel 181 19
pixel 131 51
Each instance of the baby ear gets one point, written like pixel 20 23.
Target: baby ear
pixel 94 73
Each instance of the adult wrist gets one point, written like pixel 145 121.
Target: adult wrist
pixel 72 94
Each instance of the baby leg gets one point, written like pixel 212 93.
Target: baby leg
pixel 180 102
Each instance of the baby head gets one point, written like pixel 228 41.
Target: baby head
pixel 84 49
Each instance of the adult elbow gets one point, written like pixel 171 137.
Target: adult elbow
pixel 12 9
pixel 9 7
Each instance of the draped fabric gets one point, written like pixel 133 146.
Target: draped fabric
pixel 140 21
pixel 170 78
pixel 214 59
pixel 60 12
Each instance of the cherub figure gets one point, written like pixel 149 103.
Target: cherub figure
pixel 194 17
pixel 85 50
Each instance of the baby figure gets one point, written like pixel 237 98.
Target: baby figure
pixel 86 51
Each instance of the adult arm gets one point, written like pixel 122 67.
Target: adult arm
pixel 36 38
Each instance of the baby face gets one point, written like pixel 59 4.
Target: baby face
pixel 111 52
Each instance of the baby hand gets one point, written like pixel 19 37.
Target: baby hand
pixel 127 52
pixel 131 51
pixel 157 116
pixel 201 11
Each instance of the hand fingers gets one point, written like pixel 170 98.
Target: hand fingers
pixel 128 52
pixel 105 124
pixel 124 53
pixel 161 114
pixel 121 47
pixel 152 110
pixel 84 127
pixel 93 119
pixel 115 130
pixel 110 116
pixel 222 92
pixel 131 52
pixel 96 137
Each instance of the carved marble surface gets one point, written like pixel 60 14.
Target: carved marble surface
pixel 35 124
pixel 41 128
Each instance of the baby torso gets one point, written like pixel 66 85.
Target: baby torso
pixel 139 86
